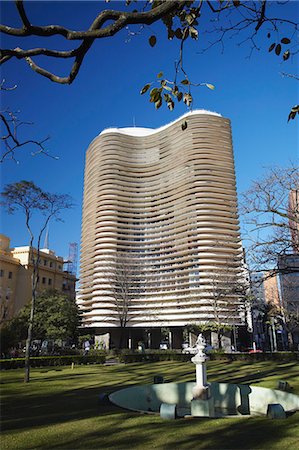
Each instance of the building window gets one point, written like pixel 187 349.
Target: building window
pixel 10 275
pixel 51 264
pixel 1 273
pixel 44 280
pixel 49 281
pixel 59 267
pixel 45 262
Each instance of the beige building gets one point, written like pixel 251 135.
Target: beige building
pixel 16 272
pixel 294 218
pixel 161 203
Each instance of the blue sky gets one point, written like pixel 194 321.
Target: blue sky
pixel 249 91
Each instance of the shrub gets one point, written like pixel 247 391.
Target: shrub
pixel 43 361
pixel 265 356
pixel 129 356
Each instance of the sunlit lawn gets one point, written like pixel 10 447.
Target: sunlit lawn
pixel 59 409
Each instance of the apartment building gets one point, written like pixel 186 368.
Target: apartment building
pixel 16 274
pixel 160 231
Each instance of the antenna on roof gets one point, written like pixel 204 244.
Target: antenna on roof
pixel 73 256
pixel 134 124
pixel 46 242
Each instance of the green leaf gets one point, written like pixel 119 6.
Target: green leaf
pixel 187 99
pixel 271 47
pixel 184 125
pixel 170 34
pixel 155 94
pixel 145 89
pixel 152 41
pixel 185 81
pixel 285 41
pixel 193 33
pixel 292 116
pixel 158 103
pixel 160 75
pixel 179 96
pixel 278 49
pixel 168 88
pixel 170 105
pixel 210 86
pixel 178 33
pixel 286 55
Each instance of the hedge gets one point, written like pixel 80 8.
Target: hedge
pixel 168 355
pixel 42 361
pixel 136 357
pixel 265 356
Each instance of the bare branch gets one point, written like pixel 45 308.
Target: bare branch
pixel 271 210
pixel 5 88
pixel 97 30
pixel 181 18
pixel 11 142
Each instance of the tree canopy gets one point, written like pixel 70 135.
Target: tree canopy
pixel 30 199
pixel 56 317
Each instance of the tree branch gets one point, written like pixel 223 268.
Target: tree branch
pixel 97 30
pixel 11 141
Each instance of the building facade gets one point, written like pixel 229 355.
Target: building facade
pixel 160 231
pixel 294 218
pixel 15 277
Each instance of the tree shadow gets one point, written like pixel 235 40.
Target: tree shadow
pixel 135 431
pixel 26 412
pixel 115 428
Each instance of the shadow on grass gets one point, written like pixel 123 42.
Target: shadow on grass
pixel 36 411
pixel 66 398
pixel 147 432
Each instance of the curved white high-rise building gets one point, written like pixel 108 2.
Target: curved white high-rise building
pixel 160 230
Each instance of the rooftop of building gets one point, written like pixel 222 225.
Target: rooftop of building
pixel 143 131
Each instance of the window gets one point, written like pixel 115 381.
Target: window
pixel 10 275
pixel 49 281
pixel 44 280
pixel 1 273
pixel 51 264
pixel 45 262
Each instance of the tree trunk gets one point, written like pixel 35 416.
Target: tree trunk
pixel 219 335
pixel 121 336
pixel 30 325
pixel 28 341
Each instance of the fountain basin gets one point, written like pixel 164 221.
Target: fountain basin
pixel 229 399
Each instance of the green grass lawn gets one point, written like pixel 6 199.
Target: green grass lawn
pixel 59 409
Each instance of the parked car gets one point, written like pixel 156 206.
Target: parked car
pixel 164 345
pixel 192 350
pixel 256 350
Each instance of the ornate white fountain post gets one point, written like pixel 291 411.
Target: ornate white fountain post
pixel 199 360
pixel 202 403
